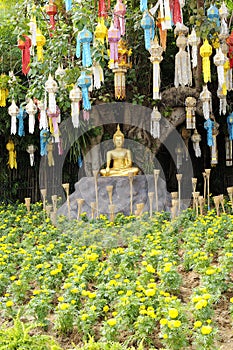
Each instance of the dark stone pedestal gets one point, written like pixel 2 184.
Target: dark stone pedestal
pixel 142 184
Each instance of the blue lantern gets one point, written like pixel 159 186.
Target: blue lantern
pixel 143 5
pixel 230 125
pixel 44 137
pixel 84 37
pixel 68 5
pixel 209 125
pixel 21 116
pixel 148 24
pixel 84 82
pixel 213 15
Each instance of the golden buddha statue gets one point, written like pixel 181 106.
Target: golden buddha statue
pixel 121 157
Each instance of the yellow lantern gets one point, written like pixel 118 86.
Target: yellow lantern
pixel 119 72
pixel 12 154
pixel 40 42
pixel 206 52
pixel 3 90
pixel 101 31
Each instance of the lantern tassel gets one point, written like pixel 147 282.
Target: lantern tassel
pixel 86 57
pixel 75 109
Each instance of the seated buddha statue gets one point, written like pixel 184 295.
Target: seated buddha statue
pixel 120 157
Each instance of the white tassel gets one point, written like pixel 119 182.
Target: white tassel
pixel 197 150
pixel 52 102
pixel 98 76
pixel 156 80
pixel 13 124
pixel 75 114
pixel 31 123
pixel 32 26
pixel 43 124
pixel 228 146
pixel 206 99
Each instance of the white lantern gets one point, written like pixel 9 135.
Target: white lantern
pixel 31 150
pixel 75 97
pixel 13 110
pixel 196 139
pixel 155 119
pixel 206 99
pixel 31 110
pixel 51 87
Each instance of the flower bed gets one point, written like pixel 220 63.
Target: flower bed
pixel 142 283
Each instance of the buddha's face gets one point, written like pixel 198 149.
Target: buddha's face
pixel 118 141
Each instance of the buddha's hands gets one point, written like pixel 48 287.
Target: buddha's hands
pixel 107 170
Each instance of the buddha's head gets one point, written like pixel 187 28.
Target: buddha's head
pixel 118 137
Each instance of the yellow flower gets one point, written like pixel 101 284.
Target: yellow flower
pixel 206 330
pixel 165 336
pixel 84 317
pixel 177 323
pixel 150 292
pixel 93 307
pixel 106 308
pixel 200 304
pixel 9 303
pixel 197 324
pixel 129 293
pixel 210 271
pixel 163 321
pixel 111 322
pixel 173 313
pixel 64 306
pixel 92 295
pixel 231 300
pixel 150 268
pixel 60 298
pixel 114 313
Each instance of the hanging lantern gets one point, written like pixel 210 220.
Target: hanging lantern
pixel 148 24
pixel 230 52
pixel 51 87
pixel 12 154
pixel 68 5
pixel 165 14
pixel 223 101
pixel 214 149
pixel 223 13
pixel 49 148
pixel 228 74
pixel 143 5
pixel 213 15
pixel 101 31
pixel 32 26
pixel 31 150
pixel 98 75
pixel 40 42
pixel 175 7
pixel 219 61
pixel 154 124
pixel 206 99
pixel 102 11
pixel 194 41
pixel 119 72
pixel 113 38
pixel 84 82
pixel 24 46
pixel 119 16
pixel 13 110
pixel 162 32
pixel 228 147
pixel 84 37
pixel 230 126
pixel 21 116
pixel 51 10
pixel 156 57
pixel 54 119
pixel 179 156
pixel 209 125
pixel 31 110
pixel 75 97
pixel 206 52
pixel 196 139
pixel 190 103
pixel 43 122
pixel 183 73
pixel 44 137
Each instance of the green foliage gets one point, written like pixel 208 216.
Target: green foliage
pixel 20 336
